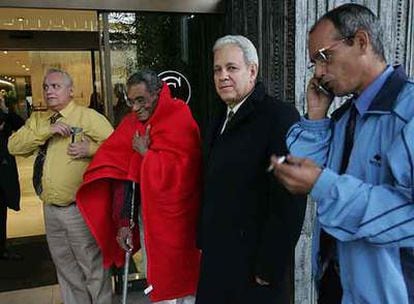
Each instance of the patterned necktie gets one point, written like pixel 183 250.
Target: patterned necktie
pixel 40 160
pixel 226 122
pixel 230 116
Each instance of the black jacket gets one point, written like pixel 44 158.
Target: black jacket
pixel 249 223
pixel 9 178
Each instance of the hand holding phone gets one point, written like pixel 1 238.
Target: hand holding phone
pixel 320 88
pixel 74 131
pixel 319 99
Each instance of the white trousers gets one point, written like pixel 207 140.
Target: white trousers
pixel 78 259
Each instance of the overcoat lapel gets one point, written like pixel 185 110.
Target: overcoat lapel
pixel 242 114
pixel 246 109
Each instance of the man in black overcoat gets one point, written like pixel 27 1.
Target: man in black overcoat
pixel 9 178
pixel 249 223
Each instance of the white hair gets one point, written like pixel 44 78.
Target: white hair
pixel 247 47
pixel 67 79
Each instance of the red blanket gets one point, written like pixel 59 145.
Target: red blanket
pixel 169 179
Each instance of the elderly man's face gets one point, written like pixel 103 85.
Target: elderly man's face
pixel 56 91
pixel 142 102
pixel 233 77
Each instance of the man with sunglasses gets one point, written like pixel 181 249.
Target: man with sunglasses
pixel 156 151
pixel 358 164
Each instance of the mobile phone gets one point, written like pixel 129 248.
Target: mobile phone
pixel 74 131
pixel 320 88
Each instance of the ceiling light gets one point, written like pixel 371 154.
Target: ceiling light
pixel 20 19
pixel 27 69
pixel 6 82
pixel 23 66
pixel 5 52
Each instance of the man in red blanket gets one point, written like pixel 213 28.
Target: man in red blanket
pixel 157 146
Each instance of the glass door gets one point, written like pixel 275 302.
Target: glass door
pixel 32 41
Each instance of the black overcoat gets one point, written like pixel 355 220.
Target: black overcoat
pixel 9 178
pixel 249 223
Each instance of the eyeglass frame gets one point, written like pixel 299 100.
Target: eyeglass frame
pixel 141 102
pixel 325 57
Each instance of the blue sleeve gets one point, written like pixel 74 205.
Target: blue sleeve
pixel 382 215
pixel 310 139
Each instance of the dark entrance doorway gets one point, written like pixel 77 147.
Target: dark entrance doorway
pixel 176 45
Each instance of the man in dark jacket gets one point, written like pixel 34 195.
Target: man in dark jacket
pixel 9 178
pixel 249 223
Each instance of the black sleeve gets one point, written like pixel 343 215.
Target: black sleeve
pixel 14 121
pixel 286 212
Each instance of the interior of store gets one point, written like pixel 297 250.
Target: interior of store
pixel 21 76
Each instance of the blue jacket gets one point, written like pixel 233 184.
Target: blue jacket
pixel 369 209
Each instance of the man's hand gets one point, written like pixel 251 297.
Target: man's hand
pixel 79 149
pixel 298 175
pixel 261 282
pixel 317 101
pixel 61 129
pixel 124 238
pixel 141 143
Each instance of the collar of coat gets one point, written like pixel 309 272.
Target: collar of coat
pixel 247 107
pixel 384 101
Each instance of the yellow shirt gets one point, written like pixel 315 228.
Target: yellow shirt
pixel 62 175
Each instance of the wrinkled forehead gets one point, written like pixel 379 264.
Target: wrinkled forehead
pixel 55 78
pixel 138 89
pixel 230 52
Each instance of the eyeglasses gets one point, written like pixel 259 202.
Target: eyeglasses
pixel 323 56
pixel 141 100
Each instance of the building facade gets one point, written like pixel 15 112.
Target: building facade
pixel 101 43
